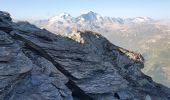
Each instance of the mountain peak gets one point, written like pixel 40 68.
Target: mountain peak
pixel 92 13
pixel 90 16
pixel 62 16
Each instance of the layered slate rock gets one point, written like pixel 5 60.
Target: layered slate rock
pixel 24 75
pixel 38 65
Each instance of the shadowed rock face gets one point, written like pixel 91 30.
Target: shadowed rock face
pixel 38 65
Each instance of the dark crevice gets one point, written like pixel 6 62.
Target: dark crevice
pixel 4 61
pixel 116 95
pixel 127 66
pixel 44 38
pixel 6 29
pixel 1 20
pixel 77 93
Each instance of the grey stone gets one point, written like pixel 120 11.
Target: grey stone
pixel 38 65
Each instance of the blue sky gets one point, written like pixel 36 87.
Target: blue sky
pixel 42 9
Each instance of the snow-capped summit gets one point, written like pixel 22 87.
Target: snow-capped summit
pixel 64 15
pixel 90 17
pixel 61 17
pixel 142 19
pixel 139 19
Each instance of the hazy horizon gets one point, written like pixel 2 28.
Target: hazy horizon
pixel 43 9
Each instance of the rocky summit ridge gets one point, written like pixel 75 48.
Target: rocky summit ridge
pixel 38 65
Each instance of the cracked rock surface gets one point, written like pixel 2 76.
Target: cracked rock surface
pixel 38 65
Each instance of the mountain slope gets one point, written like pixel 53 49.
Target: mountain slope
pixel 130 33
pixel 38 65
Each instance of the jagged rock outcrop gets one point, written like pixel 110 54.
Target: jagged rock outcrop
pixel 38 65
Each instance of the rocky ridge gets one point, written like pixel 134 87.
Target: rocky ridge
pixel 38 65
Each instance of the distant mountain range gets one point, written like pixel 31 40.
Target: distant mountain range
pixel 89 21
pixel 142 34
